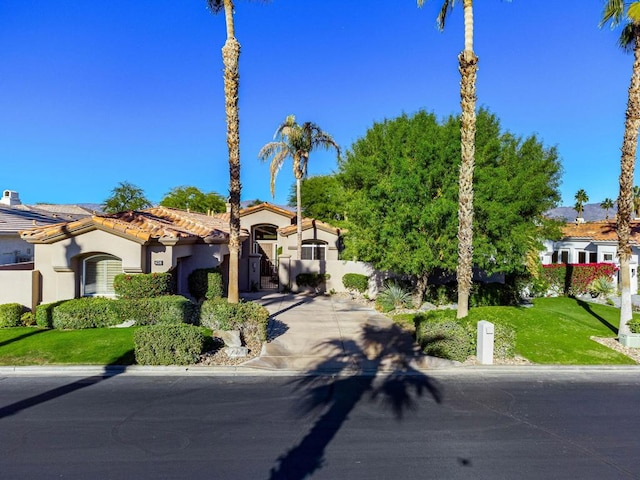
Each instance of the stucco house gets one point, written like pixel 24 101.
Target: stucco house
pixel 81 257
pixel 593 242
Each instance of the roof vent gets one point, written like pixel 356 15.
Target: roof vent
pixel 10 198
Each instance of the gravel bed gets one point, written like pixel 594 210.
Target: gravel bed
pixel 217 356
pixel 612 343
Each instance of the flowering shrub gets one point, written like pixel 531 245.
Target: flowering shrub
pixel 574 279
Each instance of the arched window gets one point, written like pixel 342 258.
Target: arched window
pixel 314 250
pixel 98 274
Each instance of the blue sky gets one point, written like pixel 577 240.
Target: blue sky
pixel 93 93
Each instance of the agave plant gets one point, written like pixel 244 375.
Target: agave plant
pixel 394 295
pixel 601 286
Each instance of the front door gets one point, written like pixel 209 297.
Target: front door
pixel 268 266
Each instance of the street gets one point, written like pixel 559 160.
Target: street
pixel 441 426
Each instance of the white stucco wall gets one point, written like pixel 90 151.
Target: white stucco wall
pixel 13 249
pixel 15 287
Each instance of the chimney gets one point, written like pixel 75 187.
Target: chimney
pixel 10 198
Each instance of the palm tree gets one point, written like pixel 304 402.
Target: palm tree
pixel 607 204
pixel 581 198
pixel 295 141
pixel 615 12
pixel 468 65
pixel 230 58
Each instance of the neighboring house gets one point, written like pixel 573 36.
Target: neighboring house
pixel 14 217
pixel 81 258
pixel 593 242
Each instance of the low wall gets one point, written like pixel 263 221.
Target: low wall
pixel 289 269
pixel 16 287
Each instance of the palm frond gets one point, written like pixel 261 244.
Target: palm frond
pixel 627 39
pixel 447 7
pixel 216 6
pixel 613 13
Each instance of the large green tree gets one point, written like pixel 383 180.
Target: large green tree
pixel 323 198
pixel 126 196
pixel 618 12
pixel 402 189
pixel 296 141
pixel 230 58
pixel 193 199
pixel 468 65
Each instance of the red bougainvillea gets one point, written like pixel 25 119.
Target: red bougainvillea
pixel 573 279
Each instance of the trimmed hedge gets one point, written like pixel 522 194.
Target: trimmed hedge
pixel 143 285
pixel 574 279
pixel 10 314
pixel 355 281
pixel 250 318
pixel 165 310
pixel 168 344
pixel 44 314
pixel 206 284
pixel 87 312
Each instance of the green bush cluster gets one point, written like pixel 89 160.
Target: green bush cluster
pixel 206 283
pixel 494 294
pixel 44 314
pixel 313 280
pixel 87 312
pixel 249 317
pixel 440 334
pixel 634 325
pixel 574 279
pixel 10 314
pixel 28 319
pixel 168 309
pixel 143 285
pixel 168 344
pixel 355 281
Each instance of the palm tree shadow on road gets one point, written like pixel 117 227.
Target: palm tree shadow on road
pixel 384 361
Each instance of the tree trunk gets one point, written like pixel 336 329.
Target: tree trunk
pixel 468 70
pixel 422 283
pixel 625 199
pixel 298 217
pixel 231 56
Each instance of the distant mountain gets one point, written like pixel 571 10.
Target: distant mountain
pixel 592 212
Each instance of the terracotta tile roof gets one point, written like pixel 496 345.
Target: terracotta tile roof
pixel 603 231
pixel 157 223
pixel 308 223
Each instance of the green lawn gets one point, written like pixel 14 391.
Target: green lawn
pixel 557 330
pixel 96 346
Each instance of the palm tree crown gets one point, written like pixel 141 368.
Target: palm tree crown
pixel 581 198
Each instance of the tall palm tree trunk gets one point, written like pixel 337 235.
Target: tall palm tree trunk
pixel 298 217
pixel 231 56
pixel 625 200
pixel 468 71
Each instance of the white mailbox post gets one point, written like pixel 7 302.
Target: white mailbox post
pixel 485 342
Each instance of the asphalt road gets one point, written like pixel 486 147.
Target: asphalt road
pixel 484 426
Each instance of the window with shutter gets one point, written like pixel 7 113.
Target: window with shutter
pixel 99 273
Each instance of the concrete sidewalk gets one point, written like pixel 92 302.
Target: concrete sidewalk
pixel 328 334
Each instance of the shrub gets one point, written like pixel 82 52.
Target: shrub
pixel 442 294
pixel 249 317
pixel 88 312
pixel 166 310
pixel 445 338
pixel 10 314
pixel 28 319
pixel 143 285
pixel 574 279
pixel 393 295
pixel 313 280
pixel 44 314
pixel 206 283
pixel 504 341
pixel 601 286
pixel 494 294
pixel 168 344
pixel 634 325
pixel 355 281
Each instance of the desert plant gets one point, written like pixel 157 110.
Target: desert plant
pixel 393 294
pixel 601 286
pixel 168 344
pixel 10 314
pixel 356 282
